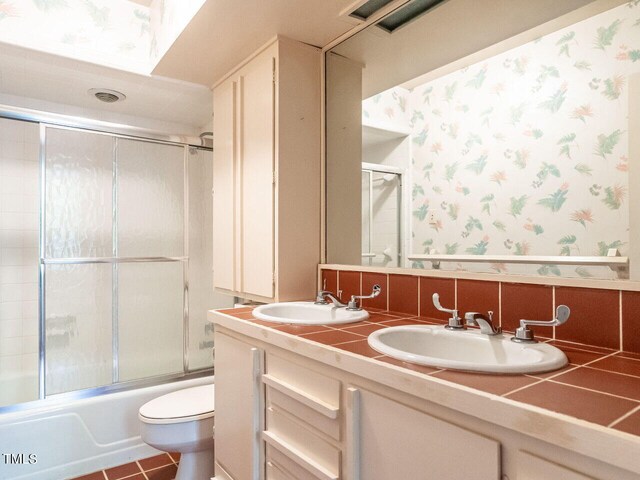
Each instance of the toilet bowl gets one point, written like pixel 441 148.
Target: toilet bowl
pixel 182 421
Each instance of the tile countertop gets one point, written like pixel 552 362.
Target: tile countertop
pixel 599 386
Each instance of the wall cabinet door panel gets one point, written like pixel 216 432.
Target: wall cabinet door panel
pixel 257 174
pixel 266 133
pixel 224 157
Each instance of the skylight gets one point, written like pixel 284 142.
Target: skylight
pixel 125 34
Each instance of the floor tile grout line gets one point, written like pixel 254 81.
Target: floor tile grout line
pixel 161 466
pixel 624 417
pixel 635 400
pixel 142 470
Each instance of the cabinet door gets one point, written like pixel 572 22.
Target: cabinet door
pixel 239 409
pixel 257 150
pixel 224 159
pixel 387 439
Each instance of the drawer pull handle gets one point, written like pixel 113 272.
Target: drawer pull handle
pixel 310 401
pixel 298 457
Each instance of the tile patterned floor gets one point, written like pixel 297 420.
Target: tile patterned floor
pixel 160 467
pixel 599 385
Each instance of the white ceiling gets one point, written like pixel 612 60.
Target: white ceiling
pixel 224 32
pixel 27 73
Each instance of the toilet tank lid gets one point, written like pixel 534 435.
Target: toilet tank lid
pixel 188 402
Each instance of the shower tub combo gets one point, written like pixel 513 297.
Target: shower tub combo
pixel 105 281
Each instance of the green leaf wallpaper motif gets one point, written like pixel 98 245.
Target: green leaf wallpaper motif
pixel 555 101
pixel 605 35
pixel 479 248
pixel 555 200
pixel 47 5
pixel 614 196
pixel 613 87
pixel 526 152
pixel 517 204
pixel 606 143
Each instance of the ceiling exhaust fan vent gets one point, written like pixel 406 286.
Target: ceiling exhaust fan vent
pixel 106 95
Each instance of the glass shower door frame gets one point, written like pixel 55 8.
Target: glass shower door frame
pixel 372 168
pixel 114 260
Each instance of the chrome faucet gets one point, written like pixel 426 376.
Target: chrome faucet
pixel 455 322
pixel 353 304
pixel 323 295
pixel 525 335
pixel 485 324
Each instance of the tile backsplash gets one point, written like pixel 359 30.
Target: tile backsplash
pixel 600 317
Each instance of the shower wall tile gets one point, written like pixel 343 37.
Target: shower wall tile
pixel 19 223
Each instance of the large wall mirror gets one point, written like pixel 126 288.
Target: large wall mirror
pixel 487 136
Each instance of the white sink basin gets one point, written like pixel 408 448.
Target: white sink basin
pixel 467 350
pixel 307 313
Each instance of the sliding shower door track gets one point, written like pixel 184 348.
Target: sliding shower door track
pixel 83 260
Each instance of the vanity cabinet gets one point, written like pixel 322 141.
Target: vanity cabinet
pixel 293 410
pixel 266 174
pixel 281 419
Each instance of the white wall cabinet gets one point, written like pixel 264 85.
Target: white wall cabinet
pixel 266 179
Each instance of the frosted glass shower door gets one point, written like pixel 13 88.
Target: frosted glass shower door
pixel 78 297
pixel 150 223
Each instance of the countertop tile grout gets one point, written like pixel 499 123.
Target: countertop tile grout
pixel 624 417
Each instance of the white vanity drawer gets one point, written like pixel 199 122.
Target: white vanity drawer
pixel 280 467
pixel 301 443
pixel 318 388
pixel 319 416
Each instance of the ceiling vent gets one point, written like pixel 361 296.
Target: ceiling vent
pixel 368 8
pixel 407 14
pixel 106 95
pixel 398 18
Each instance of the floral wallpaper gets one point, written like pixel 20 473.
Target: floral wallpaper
pixel 117 33
pixel 108 32
pixel 525 153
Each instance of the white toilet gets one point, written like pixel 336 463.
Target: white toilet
pixel 182 421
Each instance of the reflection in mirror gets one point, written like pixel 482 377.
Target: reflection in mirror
pixel 504 149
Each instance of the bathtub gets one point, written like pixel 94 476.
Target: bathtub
pixel 66 440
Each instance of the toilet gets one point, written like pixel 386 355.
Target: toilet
pixel 182 421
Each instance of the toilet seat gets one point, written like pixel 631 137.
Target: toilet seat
pixel 189 404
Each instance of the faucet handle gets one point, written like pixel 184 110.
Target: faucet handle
pixel 320 300
pixel 455 322
pixel 438 305
pixel 525 335
pixel 353 305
